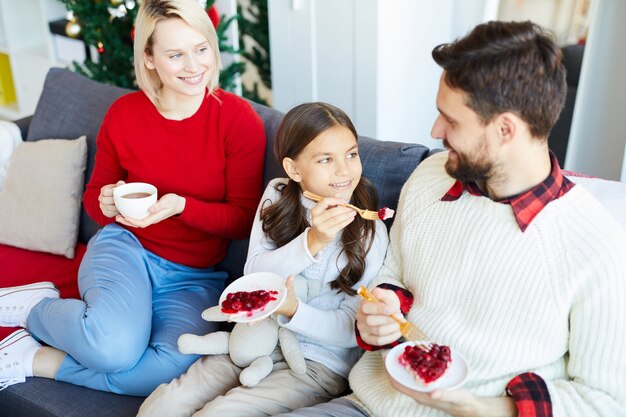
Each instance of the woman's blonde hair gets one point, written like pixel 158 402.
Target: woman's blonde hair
pixel 153 11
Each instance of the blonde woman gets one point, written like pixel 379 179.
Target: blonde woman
pixel 145 282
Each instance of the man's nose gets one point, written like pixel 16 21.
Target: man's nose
pixel 439 128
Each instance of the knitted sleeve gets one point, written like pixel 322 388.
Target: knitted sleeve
pixel 597 361
pixel 243 175
pixel 390 276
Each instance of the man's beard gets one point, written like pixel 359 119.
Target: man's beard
pixel 465 169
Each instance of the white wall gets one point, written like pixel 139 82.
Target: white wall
pixel 372 58
pixel 407 76
pixel 315 51
pixel 597 144
pixel 623 176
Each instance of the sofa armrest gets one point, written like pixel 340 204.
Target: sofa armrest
pixel 23 124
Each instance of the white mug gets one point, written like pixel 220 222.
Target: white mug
pixel 133 199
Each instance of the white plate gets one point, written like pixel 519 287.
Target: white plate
pixel 454 377
pixel 267 281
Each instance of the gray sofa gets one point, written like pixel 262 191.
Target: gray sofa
pixel 72 105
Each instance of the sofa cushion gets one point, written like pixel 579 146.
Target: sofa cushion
pixel 72 105
pixel 40 397
pixel 41 198
pixel 22 266
pixel 388 165
pixel 271 120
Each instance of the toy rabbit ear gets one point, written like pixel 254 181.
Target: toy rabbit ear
pixel 214 314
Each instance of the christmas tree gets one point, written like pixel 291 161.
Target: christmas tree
pixel 255 40
pixel 106 26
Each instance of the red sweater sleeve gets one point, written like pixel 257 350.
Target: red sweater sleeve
pixel 243 171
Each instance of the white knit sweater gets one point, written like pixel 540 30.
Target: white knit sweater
pixel 509 302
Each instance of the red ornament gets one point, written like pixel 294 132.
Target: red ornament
pixel 214 16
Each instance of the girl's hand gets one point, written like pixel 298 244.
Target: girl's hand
pixel 328 218
pixel 107 205
pixel 461 402
pixel 373 320
pixel 289 307
pixel 168 205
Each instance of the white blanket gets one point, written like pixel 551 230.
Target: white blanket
pixel 10 138
pixel 612 194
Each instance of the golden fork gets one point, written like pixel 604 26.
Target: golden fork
pixel 366 214
pixel 408 330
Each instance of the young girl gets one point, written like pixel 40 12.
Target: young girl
pixel 334 250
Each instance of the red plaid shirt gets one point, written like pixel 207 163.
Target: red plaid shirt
pixel 527 205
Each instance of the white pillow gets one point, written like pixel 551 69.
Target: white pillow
pixel 10 138
pixel 612 194
pixel 40 202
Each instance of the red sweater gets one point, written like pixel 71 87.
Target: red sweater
pixel 214 159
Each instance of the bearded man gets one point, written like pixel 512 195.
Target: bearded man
pixel 495 253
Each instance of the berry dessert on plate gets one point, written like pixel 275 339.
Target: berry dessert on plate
pixel 426 369
pixel 246 303
pixel 252 297
pixel 426 365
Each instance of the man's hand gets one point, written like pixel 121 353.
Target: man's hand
pixel 373 320
pixel 461 402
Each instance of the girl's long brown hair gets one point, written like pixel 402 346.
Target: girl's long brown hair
pixel 285 219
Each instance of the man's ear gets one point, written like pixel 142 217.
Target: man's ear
pixel 290 168
pixel 147 60
pixel 508 125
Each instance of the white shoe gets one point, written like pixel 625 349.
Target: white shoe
pixel 12 352
pixel 16 302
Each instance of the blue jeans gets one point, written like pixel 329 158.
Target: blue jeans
pixel 122 336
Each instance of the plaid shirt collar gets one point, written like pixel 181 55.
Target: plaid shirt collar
pixel 527 205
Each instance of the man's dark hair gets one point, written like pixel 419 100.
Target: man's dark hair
pixel 507 66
